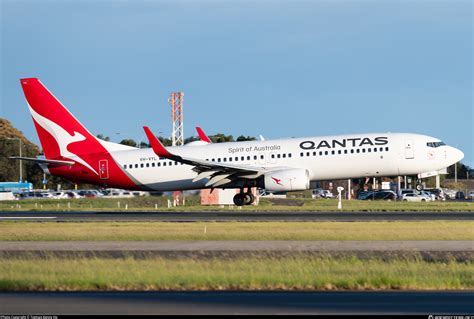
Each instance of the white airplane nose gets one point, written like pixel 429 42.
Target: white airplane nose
pixel 456 154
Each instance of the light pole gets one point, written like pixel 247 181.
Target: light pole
pixel 21 168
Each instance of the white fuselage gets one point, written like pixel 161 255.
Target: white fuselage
pixel 325 158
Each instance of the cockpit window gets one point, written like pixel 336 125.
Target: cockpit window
pixel 435 144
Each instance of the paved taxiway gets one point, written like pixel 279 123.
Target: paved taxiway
pixel 393 302
pixel 386 250
pixel 236 216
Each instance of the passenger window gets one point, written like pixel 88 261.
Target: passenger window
pixel 333 152
pixel 339 152
pixel 242 158
pixel 219 160
pixel 326 153
pixel 363 150
pixel 345 151
pixel 357 150
pixel 321 153
pixel 147 164
pixel 136 165
pixel 236 158
pixel 153 164
pixel 278 155
pixel 289 155
pixel 307 153
pixel 158 164
pixel 381 149
pixel 375 149
pixel 314 153
pixel 164 163
pixel 301 154
pixel 273 155
pixel 284 155
pixel 230 159
pixel 141 165
pixel 352 151
pixel 369 150
pixel 125 166
pixel 261 156
pixel 386 149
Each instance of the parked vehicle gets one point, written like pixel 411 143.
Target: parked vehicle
pixel 381 195
pixel 327 194
pixel 449 193
pixel 7 196
pixel 429 194
pixel 317 193
pixel 460 195
pixel 414 197
pixel 437 192
pixel 470 195
pixel 363 194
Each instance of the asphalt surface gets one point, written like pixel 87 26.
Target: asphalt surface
pixel 441 251
pixel 236 216
pixel 394 302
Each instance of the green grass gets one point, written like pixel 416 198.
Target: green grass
pixel 192 204
pixel 397 230
pixel 251 273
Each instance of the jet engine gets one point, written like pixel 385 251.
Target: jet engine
pixel 294 179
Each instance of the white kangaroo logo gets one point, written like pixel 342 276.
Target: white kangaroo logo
pixel 62 137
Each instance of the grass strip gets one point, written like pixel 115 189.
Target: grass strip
pixel 289 273
pixel 137 231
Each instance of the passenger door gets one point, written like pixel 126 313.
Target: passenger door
pixel 409 149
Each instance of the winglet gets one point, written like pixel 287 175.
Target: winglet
pixel 202 135
pixel 158 148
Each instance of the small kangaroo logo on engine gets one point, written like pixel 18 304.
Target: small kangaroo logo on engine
pixel 277 181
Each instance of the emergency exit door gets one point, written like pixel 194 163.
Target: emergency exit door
pixel 409 150
pixel 104 169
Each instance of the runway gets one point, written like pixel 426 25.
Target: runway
pixel 386 250
pixel 393 303
pixel 224 216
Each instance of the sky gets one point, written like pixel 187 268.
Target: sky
pixel 275 68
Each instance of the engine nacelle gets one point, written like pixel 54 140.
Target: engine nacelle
pixel 294 179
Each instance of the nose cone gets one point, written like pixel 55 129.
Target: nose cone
pixel 455 155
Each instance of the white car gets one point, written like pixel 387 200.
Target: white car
pixel 431 195
pixel 413 197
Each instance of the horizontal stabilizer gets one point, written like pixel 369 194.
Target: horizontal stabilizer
pixel 44 161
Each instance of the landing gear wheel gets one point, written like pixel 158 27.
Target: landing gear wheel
pixel 239 199
pixel 419 187
pixel 249 198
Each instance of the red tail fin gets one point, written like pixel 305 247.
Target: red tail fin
pixel 61 135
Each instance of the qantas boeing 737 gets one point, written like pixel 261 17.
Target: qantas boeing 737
pixel 72 152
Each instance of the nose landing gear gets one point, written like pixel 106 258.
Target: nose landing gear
pixel 242 198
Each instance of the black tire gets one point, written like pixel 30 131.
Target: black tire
pixel 239 199
pixel 423 200
pixel 405 200
pixel 249 198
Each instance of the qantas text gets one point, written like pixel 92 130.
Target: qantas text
pixel 347 142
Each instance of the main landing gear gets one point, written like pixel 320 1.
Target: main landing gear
pixel 242 198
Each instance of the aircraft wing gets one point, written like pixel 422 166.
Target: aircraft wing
pixel 218 173
pixel 44 161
